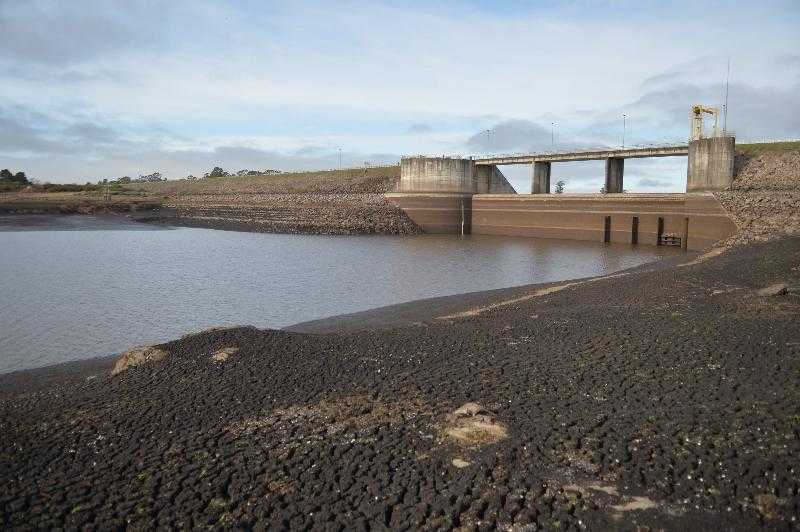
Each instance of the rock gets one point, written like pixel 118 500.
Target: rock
pixel 473 425
pixel 777 289
pixel 223 354
pixel 635 503
pixel 137 357
pixel 459 463
pixel 469 409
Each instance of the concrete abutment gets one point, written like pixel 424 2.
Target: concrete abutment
pixel 710 164
pixel 451 175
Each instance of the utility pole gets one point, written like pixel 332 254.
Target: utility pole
pixel 340 158
pixel 553 136
pixel 623 130
pixel 725 106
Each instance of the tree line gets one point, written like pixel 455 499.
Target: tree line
pixel 10 177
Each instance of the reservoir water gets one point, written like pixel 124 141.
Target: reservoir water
pixel 76 287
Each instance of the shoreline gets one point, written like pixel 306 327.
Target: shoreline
pixel 611 402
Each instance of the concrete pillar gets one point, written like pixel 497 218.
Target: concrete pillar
pixel 540 177
pixel 710 164
pixel 614 169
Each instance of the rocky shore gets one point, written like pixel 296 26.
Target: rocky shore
pixel 335 214
pixel 659 398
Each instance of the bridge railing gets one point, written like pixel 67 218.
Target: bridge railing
pixel 585 149
pixel 558 151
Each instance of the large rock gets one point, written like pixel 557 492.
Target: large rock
pixel 777 289
pixel 138 356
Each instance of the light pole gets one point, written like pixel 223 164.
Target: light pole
pixel 623 131
pixel 489 140
pixel 340 158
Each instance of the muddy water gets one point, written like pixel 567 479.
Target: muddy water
pixel 77 287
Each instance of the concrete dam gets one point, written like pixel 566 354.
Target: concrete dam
pixel 472 196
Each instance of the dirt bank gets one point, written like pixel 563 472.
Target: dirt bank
pixel 663 398
pixel 76 203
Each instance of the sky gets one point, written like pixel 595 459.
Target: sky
pixel 93 89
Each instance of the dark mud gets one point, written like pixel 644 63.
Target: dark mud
pixel 665 398
pixel 91 207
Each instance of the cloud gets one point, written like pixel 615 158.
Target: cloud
pixel 32 134
pixel 62 33
pixel 512 135
pixel 653 183
pixel 75 146
pixel 419 128
pixel 117 81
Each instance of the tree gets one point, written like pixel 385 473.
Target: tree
pixel 560 186
pixel 603 190
pixel 217 172
pixel 155 176
pixel 19 177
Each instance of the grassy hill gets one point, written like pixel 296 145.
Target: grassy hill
pixel 768 147
pixel 376 180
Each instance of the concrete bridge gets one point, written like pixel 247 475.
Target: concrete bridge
pixel 615 163
pixel 586 155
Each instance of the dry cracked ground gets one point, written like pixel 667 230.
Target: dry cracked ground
pixel 665 398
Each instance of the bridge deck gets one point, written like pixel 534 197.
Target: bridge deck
pixel 630 153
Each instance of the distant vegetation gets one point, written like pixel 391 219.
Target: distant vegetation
pixel 149 178
pixel 10 181
pixel 764 147
pixel 560 186
pixel 221 172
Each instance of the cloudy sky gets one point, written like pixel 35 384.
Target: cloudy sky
pixel 94 89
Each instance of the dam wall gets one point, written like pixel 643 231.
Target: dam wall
pixel 693 221
pixel 444 213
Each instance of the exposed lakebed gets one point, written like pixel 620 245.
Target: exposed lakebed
pixel 77 287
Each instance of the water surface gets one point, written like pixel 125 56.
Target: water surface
pixel 76 287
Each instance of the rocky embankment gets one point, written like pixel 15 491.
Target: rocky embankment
pixel 293 213
pixel 764 199
pixel 334 202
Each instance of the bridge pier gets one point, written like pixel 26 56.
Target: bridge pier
pixel 540 177
pixel 615 167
